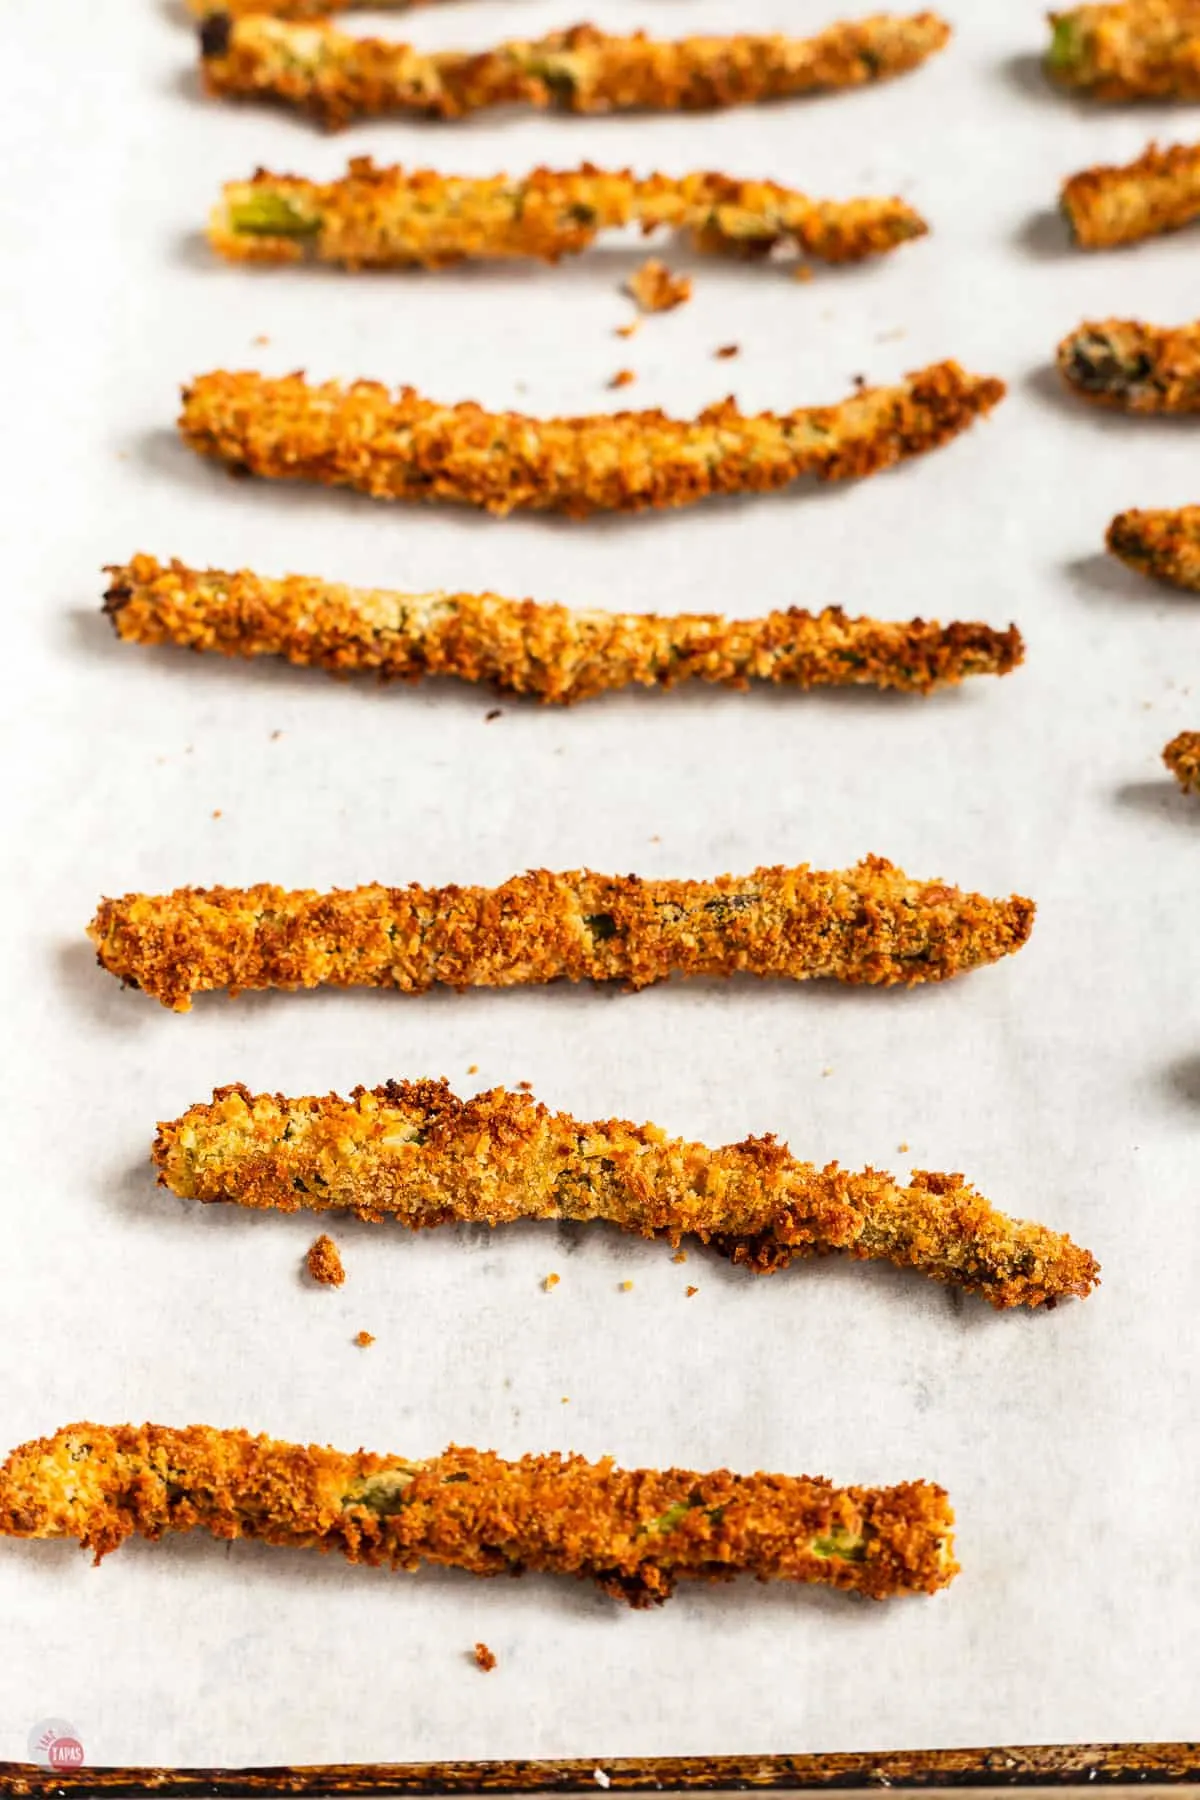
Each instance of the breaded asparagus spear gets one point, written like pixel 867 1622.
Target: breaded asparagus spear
pixel 1134 50
pixel 1134 367
pixel 412 1152
pixel 1110 205
pixel 336 77
pixel 393 217
pixel 635 1532
pixel 403 447
pixel 868 925
pixel 526 648
pixel 1163 544
pixel 1182 757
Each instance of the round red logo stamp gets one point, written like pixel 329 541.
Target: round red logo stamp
pixel 55 1744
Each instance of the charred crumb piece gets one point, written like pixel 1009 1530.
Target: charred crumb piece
pixel 484 1658
pixel 1182 757
pixel 413 1154
pixel 871 925
pixel 636 1532
pixel 336 77
pixel 547 651
pixel 654 289
pixel 404 447
pixel 1130 50
pixel 216 34
pixel 324 1262
pixel 1162 544
pixel 1133 367
pixel 394 218
pixel 1111 205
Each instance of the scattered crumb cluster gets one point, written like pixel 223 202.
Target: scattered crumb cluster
pixel 653 288
pixel 324 1262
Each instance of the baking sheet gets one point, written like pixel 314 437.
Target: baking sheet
pixel 1066 1082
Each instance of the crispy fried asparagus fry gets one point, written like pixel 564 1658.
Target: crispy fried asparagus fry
pixel 1133 367
pixel 1134 50
pixel 1182 757
pixel 1110 205
pixel 374 218
pixel 635 1532
pixel 414 1153
pixel 1162 544
pixel 868 925
pixel 403 447
pixel 525 648
pixel 336 77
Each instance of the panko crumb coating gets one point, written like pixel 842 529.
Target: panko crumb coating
pixel 295 9
pixel 1133 367
pixel 414 1154
pixel 521 647
pixel 1134 50
pixel 868 925
pixel 635 1532
pixel 401 446
pixel 1118 204
pixel 381 218
pixel 1160 543
pixel 1182 757
pixel 324 1262
pixel 336 77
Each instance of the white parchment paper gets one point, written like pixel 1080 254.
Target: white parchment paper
pixel 1065 1082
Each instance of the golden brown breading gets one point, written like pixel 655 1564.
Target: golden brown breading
pixel 375 218
pixel 867 925
pixel 403 447
pixel 324 1262
pixel 653 288
pixel 635 1532
pixel 526 648
pixel 1133 50
pixel 1110 205
pixel 336 77
pixel 1134 367
pixel 1163 544
pixel 411 1152
pixel 1182 757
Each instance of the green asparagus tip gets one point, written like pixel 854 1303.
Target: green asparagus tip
pixel 1066 45
pixel 265 213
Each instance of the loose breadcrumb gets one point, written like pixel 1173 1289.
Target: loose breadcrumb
pixel 680 1256
pixel 324 1262
pixel 1182 757
pixel 1159 192
pixel 635 1532
pixel 1132 50
pixel 379 218
pixel 725 351
pixel 551 1281
pixel 622 378
pixel 414 1154
pixel 484 1658
pixel 526 648
pixel 689 1291
pixel 1162 544
pixel 654 289
pixel 336 77
pixel 364 1338
pixel 403 447
pixel 1134 367
pixel 870 925
pixel 626 1287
